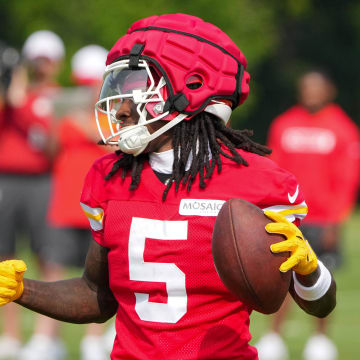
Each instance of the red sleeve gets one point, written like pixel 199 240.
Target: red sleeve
pixel 281 193
pixel 92 202
pixel 95 194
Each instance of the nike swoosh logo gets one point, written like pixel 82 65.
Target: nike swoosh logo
pixel 292 198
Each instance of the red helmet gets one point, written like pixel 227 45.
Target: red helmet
pixel 181 46
pixel 188 66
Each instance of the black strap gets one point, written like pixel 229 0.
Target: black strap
pixel 135 53
pixel 177 102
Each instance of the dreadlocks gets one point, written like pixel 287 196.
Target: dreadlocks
pixel 199 140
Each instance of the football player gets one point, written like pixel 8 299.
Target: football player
pixel 169 88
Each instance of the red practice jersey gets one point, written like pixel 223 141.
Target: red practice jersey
pixel 172 303
pixel 322 151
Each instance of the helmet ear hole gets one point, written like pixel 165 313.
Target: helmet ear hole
pixel 194 82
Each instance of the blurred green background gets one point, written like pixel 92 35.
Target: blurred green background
pixel 280 38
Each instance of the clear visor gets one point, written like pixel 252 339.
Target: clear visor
pixel 141 86
pixel 120 84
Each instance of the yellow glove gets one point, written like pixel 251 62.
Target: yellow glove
pixel 302 259
pixel 11 280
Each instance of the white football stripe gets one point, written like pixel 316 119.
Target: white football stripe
pixel 95 216
pixel 291 212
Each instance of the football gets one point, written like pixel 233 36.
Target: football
pixel 243 260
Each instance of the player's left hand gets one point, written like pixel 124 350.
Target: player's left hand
pixel 302 259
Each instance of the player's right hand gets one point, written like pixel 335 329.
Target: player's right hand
pixel 302 257
pixel 11 280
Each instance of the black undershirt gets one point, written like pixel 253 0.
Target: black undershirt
pixel 162 177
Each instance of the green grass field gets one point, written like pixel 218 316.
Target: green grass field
pixel 344 328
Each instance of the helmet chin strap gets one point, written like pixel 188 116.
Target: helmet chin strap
pixel 134 138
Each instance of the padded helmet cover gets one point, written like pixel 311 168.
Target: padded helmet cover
pixel 181 46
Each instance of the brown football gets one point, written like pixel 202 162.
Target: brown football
pixel 243 260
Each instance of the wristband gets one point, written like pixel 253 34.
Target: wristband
pixel 317 290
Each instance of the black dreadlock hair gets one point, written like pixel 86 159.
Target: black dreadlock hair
pixel 199 137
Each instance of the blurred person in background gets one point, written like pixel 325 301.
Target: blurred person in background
pixel 70 234
pixel 25 163
pixel 319 144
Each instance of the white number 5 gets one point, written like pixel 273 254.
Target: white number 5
pixel 168 273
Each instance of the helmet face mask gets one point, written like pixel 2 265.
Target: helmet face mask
pixel 147 92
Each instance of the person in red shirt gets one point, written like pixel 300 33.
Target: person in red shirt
pixel 319 144
pixel 169 89
pixel 25 164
